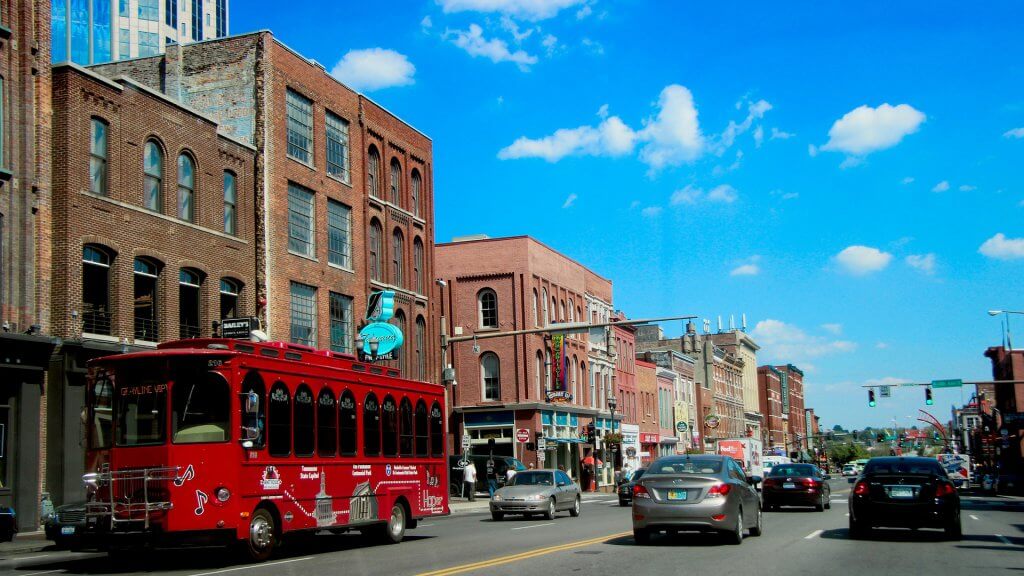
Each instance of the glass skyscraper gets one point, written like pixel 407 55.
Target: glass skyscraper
pixel 97 31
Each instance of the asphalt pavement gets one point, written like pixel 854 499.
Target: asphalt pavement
pixel 598 543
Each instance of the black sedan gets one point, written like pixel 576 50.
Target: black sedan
pixel 795 485
pixel 904 492
pixel 65 525
pixel 626 487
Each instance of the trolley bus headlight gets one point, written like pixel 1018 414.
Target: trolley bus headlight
pixel 223 494
pixel 91 480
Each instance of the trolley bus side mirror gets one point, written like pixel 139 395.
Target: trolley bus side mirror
pixel 252 403
pixel 249 435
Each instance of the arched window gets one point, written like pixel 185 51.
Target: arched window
pixel 153 166
pixel 436 431
pixel 229 292
pixel 373 172
pixel 547 369
pixel 487 304
pixel 189 286
pixel 554 309
pixel 347 424
pixel 253 384
pixel 417 265
pixel 400 356
pixel 417 192
pixel 96 307
pixel 490 376
pixel 146 274
pixel 326 423
pixel 98 152
pixel 538 370
pixel 396 182
pixel 376 250
pixel 583 383
pixel 563 316
pixel 389 426
pixel 544 305
pixel 572 318
pixel 572 374
pixel 371 426
pixel 305 435
pixel 405 428
pixel 230 203
pixel 279 420
pixel 397 258
pixel 536 311
pixel 421 349
pixel 186 187
pixel 421 428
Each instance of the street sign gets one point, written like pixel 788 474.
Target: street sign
pixel 465 441
pixel 542 444
pixel 522 435
pixel 953 383
pixel 681 426
pixel 885 391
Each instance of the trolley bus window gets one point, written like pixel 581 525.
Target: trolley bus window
pixel 279 420
pixel 200 406
pixel 436 431
pixel 101 410
pixel 326 424
pixel 405 427
pixel 421 428
pixel 371 426
pixel 389 423
pixel 254 419
pixel 303 422
pixel 140 405
pixel 347 424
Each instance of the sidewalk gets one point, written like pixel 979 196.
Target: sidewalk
pixel 25 542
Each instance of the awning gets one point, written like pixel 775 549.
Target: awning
pixel 669 440
pixel 565 440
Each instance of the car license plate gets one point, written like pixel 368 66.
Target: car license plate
pixel 677 494
pixel 789 485
pixel 67 529
pixel 901 492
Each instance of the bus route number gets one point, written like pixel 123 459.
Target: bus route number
pixel 214 363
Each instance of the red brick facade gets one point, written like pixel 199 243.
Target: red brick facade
pixel 769 392
pixel 625 371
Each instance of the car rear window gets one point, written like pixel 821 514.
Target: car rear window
pixel 686 466
pixel 792 470
pixel 904 467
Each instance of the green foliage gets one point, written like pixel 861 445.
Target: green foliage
pixel 843 453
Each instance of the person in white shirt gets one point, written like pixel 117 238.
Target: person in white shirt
pixel 469 480
pixel 509 475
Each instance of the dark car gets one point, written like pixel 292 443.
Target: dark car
pixel 626 487
pixel 65 525
pixel 795 485
pixel 904 492
pixel 501 466
pixel 8 525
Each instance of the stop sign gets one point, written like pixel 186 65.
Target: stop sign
pixel 522 435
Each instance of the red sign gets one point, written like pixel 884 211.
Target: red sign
pixel 522 435
pixel 648 438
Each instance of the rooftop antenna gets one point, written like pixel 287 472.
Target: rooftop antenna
pixel 732 322
pixel 719 322
pixel 707 326
pixel 743 318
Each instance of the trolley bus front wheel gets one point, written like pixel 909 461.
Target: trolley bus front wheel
pixel 262 535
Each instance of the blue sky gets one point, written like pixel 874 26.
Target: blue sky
pixel 846 176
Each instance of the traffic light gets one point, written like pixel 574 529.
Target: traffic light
pixel 591 433
pixel 928 396
pixel 871 399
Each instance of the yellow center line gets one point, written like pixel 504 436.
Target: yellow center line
pixel 522 555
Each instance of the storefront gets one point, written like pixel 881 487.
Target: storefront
pixel 482 427
pixel 667 445
pixel 564 446
pixel 648 448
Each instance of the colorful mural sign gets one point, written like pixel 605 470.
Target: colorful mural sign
pixel 558 362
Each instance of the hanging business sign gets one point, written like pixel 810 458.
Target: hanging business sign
pixel 238 328
pixel 558 361
pixel 558 396
pixel 712 421
pixel 380 306
pixel 386 338
pixel 681 426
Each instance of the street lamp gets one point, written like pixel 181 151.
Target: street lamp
pixel 612 403
pixel 1006 319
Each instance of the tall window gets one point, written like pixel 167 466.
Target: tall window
pixel 421 349
pixel 538 369
pixel 347 424
pixel 170 12
pixel 98 158
pixel 490 376
pixel 417 265
pixel 326 423
pixel 389 427
pixel 300 127
pixel 149 10
pixel 186 188
pixel 95 290
pixel 301 237
pixel 547 369
pixel 279 420
pixel 197 20
pixel 536 312
pixel 229 291
pixel 407 433
pixel 421 428
pixel 153 166
pixel 544 304
pixel 124 43
pixel 303 314
pixel 149 43
pixel 436 430
pixel 341 323
pixel 230 203
pixel 100 31
pixel 59 32
pixel 571 310
pixel 337 147
pixel 487 302
pixel 416 192
pixel 400 356
pixel 397 253
pixel 146 275
pixel 376 250
pixel 222 18
pixel 305 434
pixel 189 282
pixel 396 182
pixel 373 172
pixel 339 241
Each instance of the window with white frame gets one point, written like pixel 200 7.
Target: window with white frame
pixel 490 376
pixel 186 188
pixel 98 157
pixel 487 302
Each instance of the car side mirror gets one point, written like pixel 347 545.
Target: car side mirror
pixel 754 480
pixel 252 403
pixel 561 484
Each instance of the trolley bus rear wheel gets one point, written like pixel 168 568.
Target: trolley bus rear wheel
pixel 262 536
pixel 394 530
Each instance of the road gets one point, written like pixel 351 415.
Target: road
pixel 599 543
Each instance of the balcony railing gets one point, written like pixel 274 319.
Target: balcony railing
pixel 96 322
pixel 146 329
pixel 188 331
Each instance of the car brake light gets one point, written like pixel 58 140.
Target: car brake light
pixel 767 482
pixel 640 492
pixel 718 490
pixel 861 488
pixel 944 489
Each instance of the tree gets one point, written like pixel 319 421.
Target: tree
pixel 837 428
pixel 843 453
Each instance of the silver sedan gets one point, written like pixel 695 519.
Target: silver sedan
pixel 537 492
pixel 707 493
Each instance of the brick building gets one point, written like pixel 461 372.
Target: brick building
pixel 626 393
pixel 24 251
pixel 769 388
pixel 742 346
pixel 1002 407
pixel 145 182
pixel 525 381
pixel 344 198
pixel 792 386
pixel 647 392
pixel 666 381
pixel 684 394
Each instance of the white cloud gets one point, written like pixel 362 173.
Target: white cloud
pixel 746 270
pixel 568 201
pixel 864 130
pixel 691 195
pixel 594 46
pixel 850 162
pixel 907 180
pixel 758 136
pixel 1015 133
pixel 1002 248
pixel 610 138
pixel 780 135
pixel 863 260
pixel 374 68
pixel 967 188
pixel 833 328
pixel 723 193
pixel 755 111
pixel 784 342
pixel 688 195
pixel 602 112
pixel 634 204
pixel 651 212
pixel 550 43
pixel 881 345
pixel 887 381
pixel 673 136
pixel 923 262
pixel 509 25
pixel 584 12
pixel 427 23
pixel 941 186
pixel 495 49
pixel 525 9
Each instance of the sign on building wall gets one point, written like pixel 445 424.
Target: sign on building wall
pixel 558 366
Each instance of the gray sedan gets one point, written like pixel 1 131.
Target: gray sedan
pixel 697 492
pixel 537 492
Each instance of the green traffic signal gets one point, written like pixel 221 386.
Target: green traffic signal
pixel 871 399
pixel 928 397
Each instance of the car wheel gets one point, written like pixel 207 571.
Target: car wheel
pixel 575 510
pixel 549 514
pixel 857 529
pixel 735 536
pixel 757 529
pixel 497 516
pixel 393 531
pixel 262 536
pixel 623 502
pixel 954 530
pixel 641 535
pixel 820 506
pixel 828 501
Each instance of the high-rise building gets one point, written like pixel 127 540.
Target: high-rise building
pixel 97 31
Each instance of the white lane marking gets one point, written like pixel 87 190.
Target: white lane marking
pixel 29 558
pixel 423 525
pixel 268 564
pixel 47 572
pixel 814 534
pixel 1004 539
pixel 973 517
pixel 532 526
pixel 836 501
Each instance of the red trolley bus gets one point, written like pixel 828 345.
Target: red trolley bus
pixel 211 441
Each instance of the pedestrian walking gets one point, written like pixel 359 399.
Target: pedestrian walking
pixel 492 478
pixel 469 480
